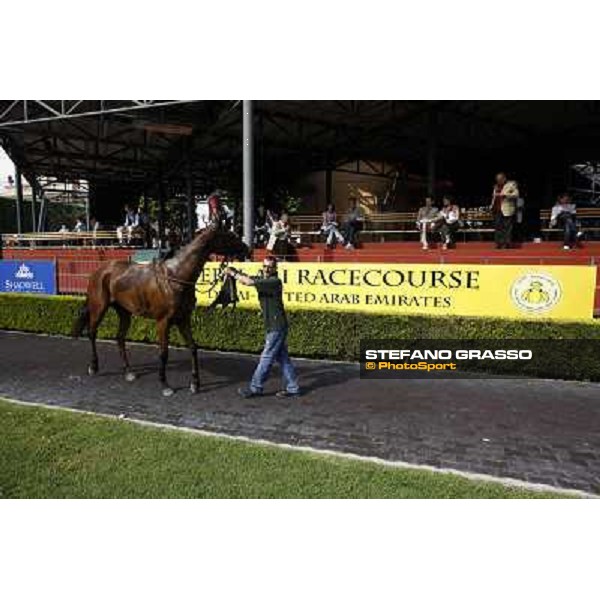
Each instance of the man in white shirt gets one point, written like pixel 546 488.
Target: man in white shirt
pixel 563 215
pixel 202 214
pixel 451 214
pixel 428 218
pixel 130 223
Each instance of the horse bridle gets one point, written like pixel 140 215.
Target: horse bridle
pixel 194 284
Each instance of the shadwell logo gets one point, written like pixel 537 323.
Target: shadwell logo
pixel 24 272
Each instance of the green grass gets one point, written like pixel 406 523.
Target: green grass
pixel 47 453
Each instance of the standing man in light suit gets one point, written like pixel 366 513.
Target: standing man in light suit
pixel 504 207
pixel 270 295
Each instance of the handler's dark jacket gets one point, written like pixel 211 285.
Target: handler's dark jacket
pixel 270 296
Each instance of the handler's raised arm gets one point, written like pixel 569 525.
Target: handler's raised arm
pixel 239 276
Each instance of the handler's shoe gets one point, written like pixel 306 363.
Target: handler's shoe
pixel 286 394
pixel 248 393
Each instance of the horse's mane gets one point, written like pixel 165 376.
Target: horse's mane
pixel 200 238
pixel 199 241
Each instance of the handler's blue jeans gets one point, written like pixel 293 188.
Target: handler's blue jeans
pixel 275 350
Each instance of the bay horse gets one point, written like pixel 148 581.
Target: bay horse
pixel 163 290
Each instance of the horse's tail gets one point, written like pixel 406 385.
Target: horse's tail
pixel 82 321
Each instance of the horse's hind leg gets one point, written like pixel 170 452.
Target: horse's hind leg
pixel 97 312
pixel 185 328
pixel 124 324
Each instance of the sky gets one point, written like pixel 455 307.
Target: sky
pixel 6 166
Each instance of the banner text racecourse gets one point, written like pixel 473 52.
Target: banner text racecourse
pixel 524 291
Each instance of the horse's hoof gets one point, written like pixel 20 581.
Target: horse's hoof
pixel 168 392
pixel 129 376
pixel 194 387
pixel 92 370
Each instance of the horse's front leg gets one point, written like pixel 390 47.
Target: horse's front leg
pixel 185 328
pixel 163 342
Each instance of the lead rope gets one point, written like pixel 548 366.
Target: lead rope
pixel 222 268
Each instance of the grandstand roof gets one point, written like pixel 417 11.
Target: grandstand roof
pixel 137 140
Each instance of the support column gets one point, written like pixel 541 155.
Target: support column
pixel 161 213
pixel 145 203
pixel 42 212
pixel 19 185
pixel 87 209
pixel 328 186
pixel 190 195
pixel 431 153
pixel 248 167
pixel 33 203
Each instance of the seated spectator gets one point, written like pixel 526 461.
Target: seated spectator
pixel 63 229
pixel 563 216
pixel 95 226
pixel 80 225
pixel 202 214
pixel 428 220
pixel 353 224
pixel 131 222
pixel 262 226
pixel 450 214
pixel 329 227
pixel 280 235
pixel 227 216
pixel 143 226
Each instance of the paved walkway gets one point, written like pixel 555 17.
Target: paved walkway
pixel 535 430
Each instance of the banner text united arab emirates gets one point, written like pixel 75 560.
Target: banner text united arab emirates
pixel 523 291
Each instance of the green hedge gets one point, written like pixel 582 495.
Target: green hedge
pixel 326 334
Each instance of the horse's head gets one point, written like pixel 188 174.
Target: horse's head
pixel 228 244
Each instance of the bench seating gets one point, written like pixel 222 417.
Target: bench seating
pixel 392 223
pixel 588 219
pixel 476 222
pixel 68 238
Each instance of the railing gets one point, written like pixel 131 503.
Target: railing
pixel 73 275
pixel 476 221
pixel 69 238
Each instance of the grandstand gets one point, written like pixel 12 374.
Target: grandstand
pixel 98 155
pixel 322 149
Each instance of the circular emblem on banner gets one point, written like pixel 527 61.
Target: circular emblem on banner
pixel 536 292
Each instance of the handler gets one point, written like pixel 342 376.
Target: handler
pixel 270 295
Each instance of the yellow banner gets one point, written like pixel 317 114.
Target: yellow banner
pixel 525 291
